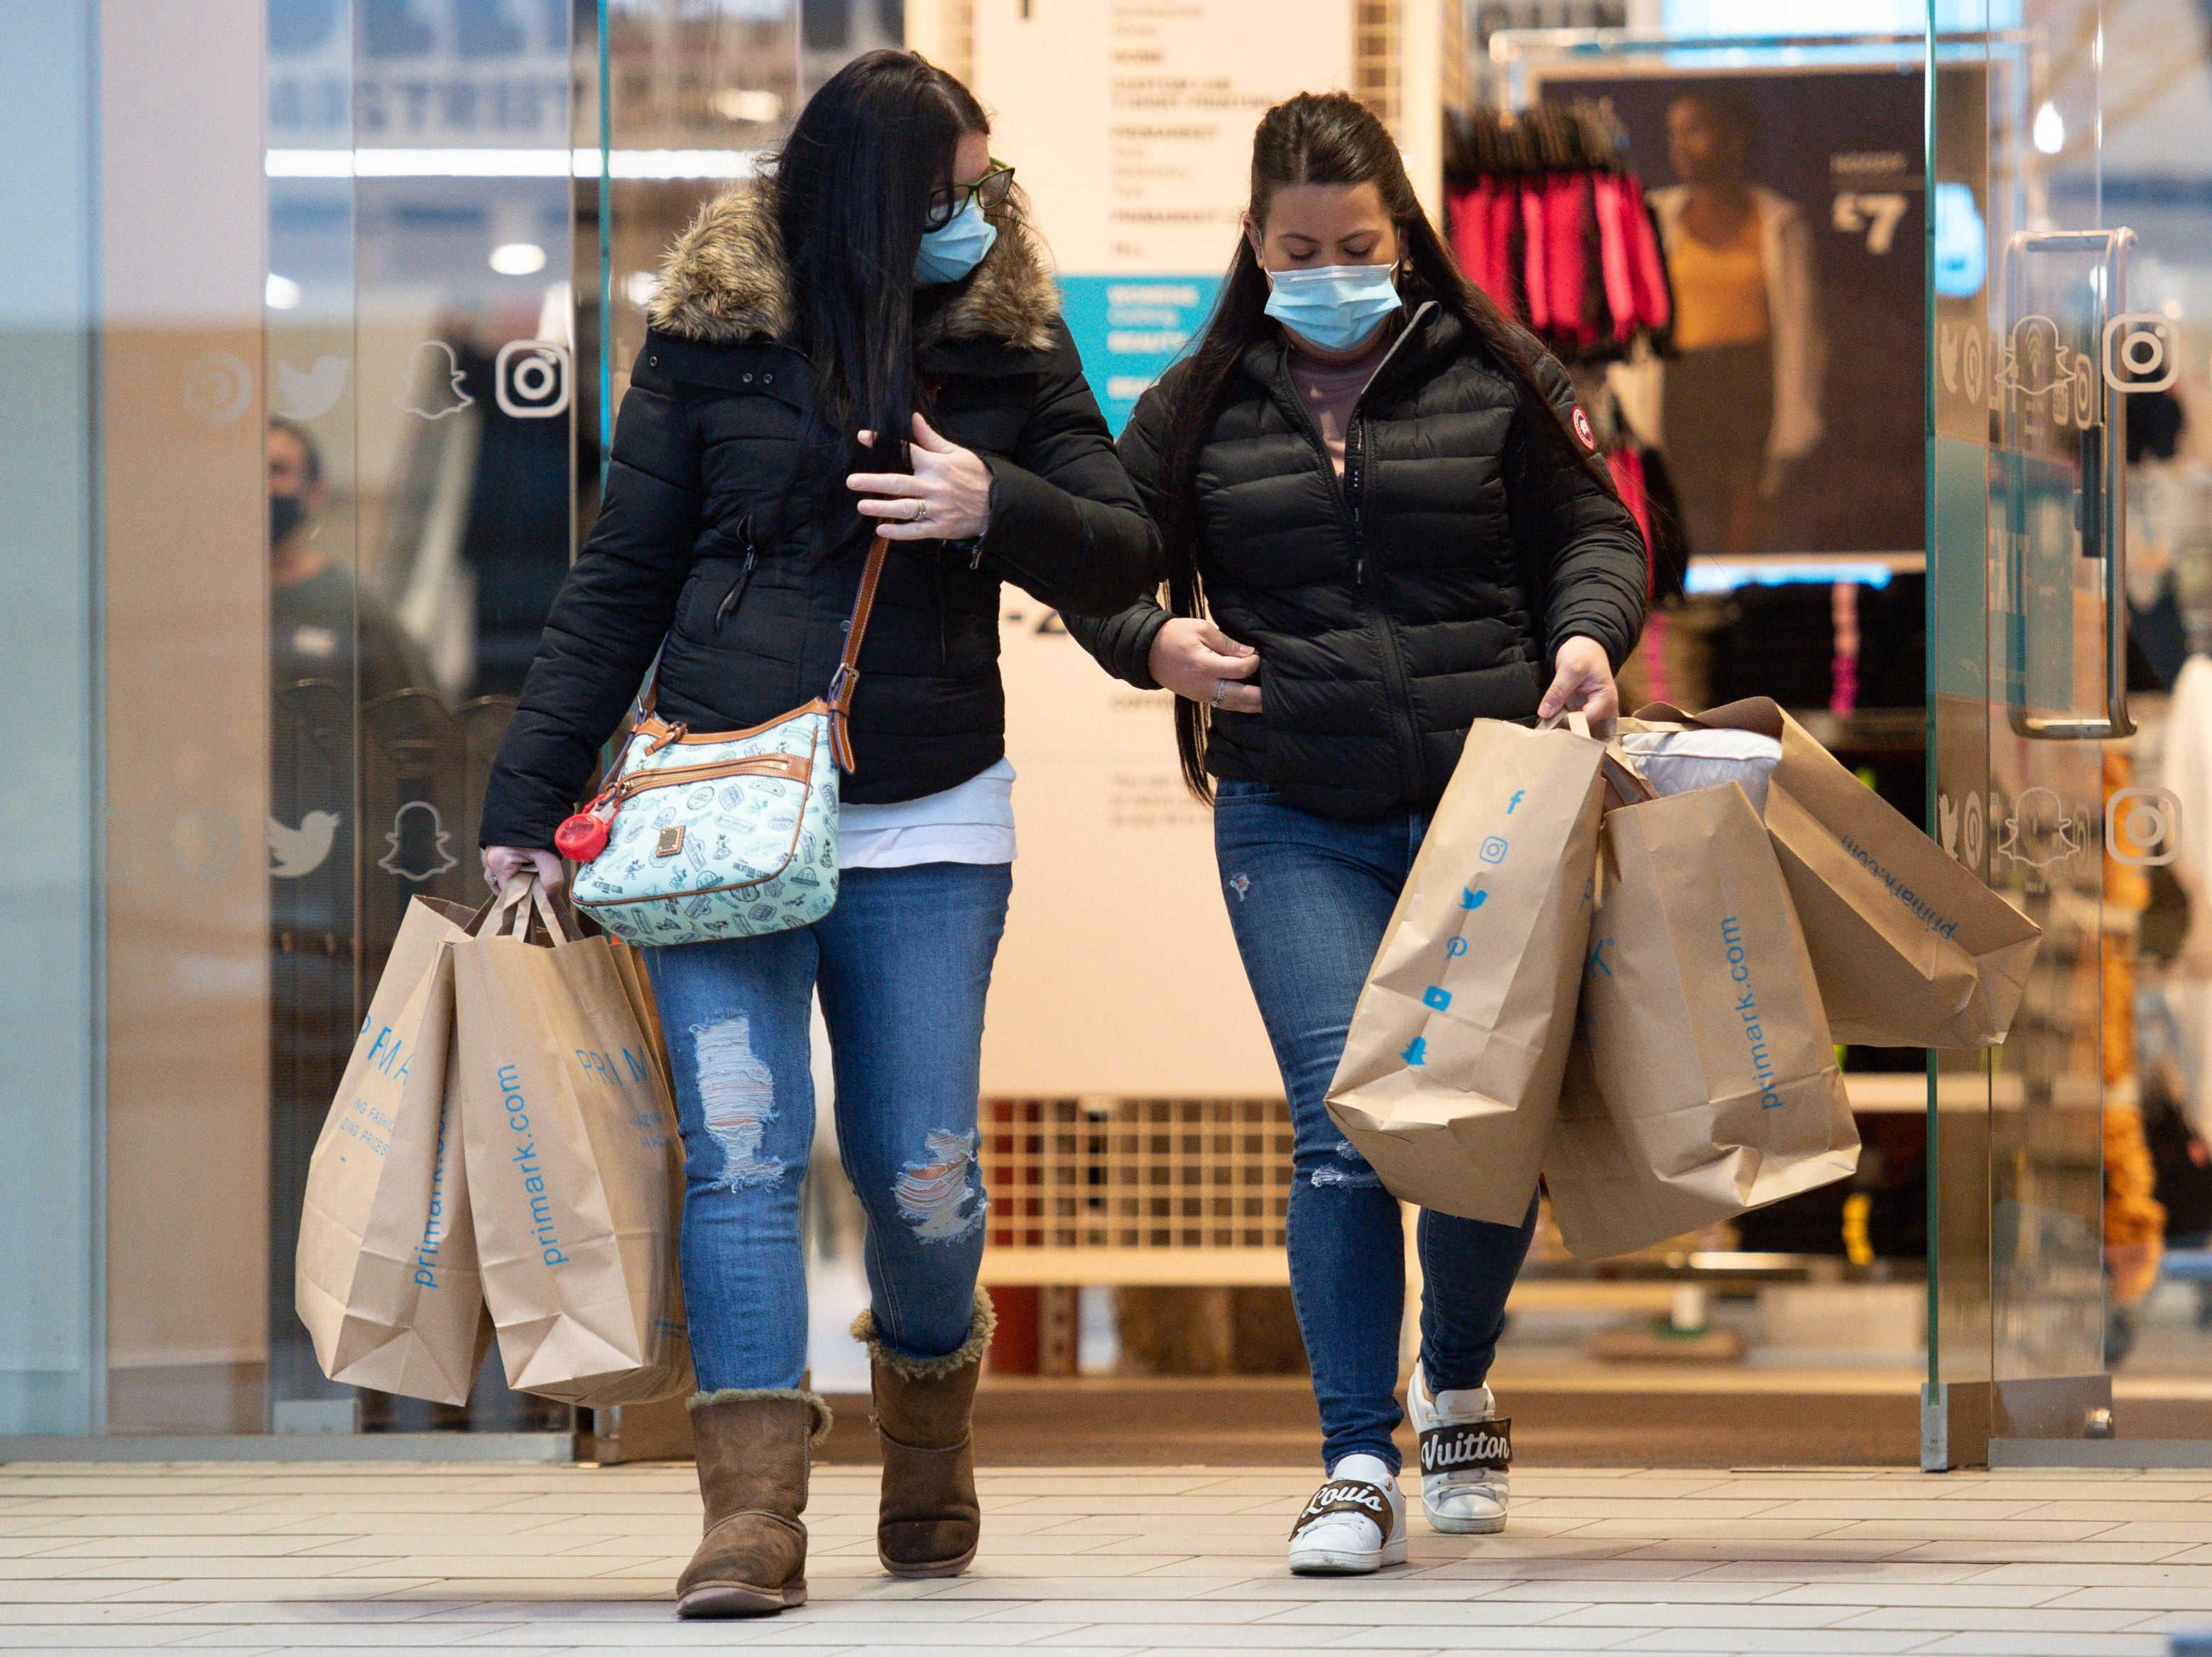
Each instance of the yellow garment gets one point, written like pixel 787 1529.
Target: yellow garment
pixel 1720 292
pixel 2135 1221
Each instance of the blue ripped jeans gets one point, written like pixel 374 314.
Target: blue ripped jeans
pixel 1309 898
pixel 903 963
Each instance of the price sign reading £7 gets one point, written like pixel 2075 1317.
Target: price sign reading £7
pixel 1877 214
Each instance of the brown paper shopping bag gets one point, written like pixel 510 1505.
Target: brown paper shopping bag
pixel 1604 1198
pixel 575 1168
pixel 386 1276
pixel 1706 1036
pixel 629 965
pixel 1910 948
pixel 1451 1071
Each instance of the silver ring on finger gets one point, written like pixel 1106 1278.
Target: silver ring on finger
pixel 1220 690
pixel 920 511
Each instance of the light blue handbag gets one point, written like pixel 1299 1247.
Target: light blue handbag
pixel 722 834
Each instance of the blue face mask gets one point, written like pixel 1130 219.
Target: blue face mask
pixel 1336 307
pixel 949 253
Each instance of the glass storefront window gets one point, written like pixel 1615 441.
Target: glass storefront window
pixel 344 263
pixel 424 457
pixel 323 310
pixel 51 967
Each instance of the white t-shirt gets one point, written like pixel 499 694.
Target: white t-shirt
pixel 971 823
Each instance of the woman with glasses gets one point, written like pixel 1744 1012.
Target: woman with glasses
pixel 866 341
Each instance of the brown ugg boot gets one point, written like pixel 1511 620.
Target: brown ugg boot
pixel 751 1446
pixel 929 1520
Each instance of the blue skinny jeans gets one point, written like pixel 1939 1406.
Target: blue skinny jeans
pixel 903 963
pixel 1309 898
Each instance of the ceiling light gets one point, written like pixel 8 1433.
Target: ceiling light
pixel 518 258
pixel 390 163
pixel 2050 131
pixel 282 293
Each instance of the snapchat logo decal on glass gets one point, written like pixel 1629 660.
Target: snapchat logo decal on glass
pixel 433 382
pixel 418 845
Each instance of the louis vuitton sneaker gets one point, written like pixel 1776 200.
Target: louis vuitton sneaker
pixel 1356 1522
pixel 1466 1451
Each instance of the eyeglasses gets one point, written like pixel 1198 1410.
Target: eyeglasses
pixel 990 191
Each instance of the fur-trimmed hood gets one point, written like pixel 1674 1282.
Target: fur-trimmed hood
pixel 725 280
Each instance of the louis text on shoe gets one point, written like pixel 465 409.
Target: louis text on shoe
pixel 1355 1523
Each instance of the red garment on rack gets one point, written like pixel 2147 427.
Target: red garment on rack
pixel 1504 219
pixel 1647 264
pixel 1626 465
pixel 1566 213
pixel 1535 250
pixel 1468 214
pixel 1525 239
pixel 1614 211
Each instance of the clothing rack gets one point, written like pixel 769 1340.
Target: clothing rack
pixel 1545 214
pixel 1585 136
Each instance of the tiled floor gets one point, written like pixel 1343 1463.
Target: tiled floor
pixel 287 1559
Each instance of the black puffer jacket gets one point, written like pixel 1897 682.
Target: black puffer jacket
pixel 687 538
pixel 1429 589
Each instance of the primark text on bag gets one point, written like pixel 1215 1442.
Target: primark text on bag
pixel 575 1167
pixel 386 1276
pixel 1705 1040
pixel 1911 949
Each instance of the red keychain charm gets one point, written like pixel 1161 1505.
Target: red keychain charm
pixel 584 835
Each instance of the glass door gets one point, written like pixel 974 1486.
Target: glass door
pixel 419 353
pixel 2049 333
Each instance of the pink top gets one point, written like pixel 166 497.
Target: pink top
pixel 1331 386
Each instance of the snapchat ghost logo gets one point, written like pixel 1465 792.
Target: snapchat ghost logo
pixel 418 841
pixel 433 382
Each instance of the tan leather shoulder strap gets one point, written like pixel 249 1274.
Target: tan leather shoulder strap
pixel 840 699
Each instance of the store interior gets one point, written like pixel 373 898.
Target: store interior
pixel 1726 242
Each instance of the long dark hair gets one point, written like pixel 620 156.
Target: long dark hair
pixel 1318 137
pixel 851 189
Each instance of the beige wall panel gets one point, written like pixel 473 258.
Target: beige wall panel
pixel 1422 41
pixel 944 31
pixel 1118 974
pixel 185 524
pixel 1131 120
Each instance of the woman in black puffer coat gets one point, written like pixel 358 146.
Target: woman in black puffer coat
pixel 880 284
pixel 1383 521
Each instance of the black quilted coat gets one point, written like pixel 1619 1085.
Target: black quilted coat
pixel 696 534
pixel 1430 588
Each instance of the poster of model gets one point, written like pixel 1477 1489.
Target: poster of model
pixel 1790 207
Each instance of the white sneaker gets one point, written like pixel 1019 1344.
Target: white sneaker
pixel 1465 1450
pixel 1355 1523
